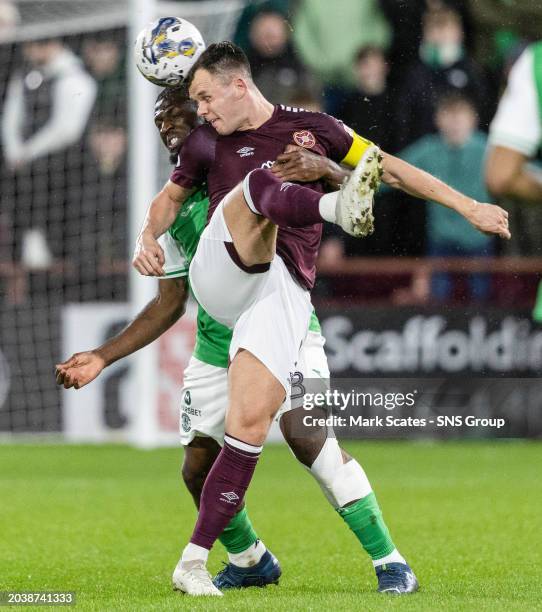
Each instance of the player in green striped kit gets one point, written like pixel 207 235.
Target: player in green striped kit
pixel 513 169
pixel 204 395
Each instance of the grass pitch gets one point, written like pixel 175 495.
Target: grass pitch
pixel 109 523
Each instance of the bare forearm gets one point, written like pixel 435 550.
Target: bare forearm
pixel 418 183
pixel 508 175
pixel 525 186
pixel 148 325
pixel 159 217
pixel 163 209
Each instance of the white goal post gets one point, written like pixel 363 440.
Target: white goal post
pixel 216 20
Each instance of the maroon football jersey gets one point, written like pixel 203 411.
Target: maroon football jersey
pixel 224 161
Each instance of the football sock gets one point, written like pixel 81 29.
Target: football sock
pixel 328 206
pixel 239 535
pixel 224 489
pixel 394 557
pixel 194 553
pixel 249 557
pixel 285 204
pixel 364 518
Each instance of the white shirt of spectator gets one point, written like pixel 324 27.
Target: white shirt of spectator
pixel 517 124
pixel 73 97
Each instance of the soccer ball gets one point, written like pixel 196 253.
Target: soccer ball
pixel 166 50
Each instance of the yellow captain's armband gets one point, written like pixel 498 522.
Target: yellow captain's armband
pixel 356 151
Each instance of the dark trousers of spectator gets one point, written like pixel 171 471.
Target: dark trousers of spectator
pixel 442 285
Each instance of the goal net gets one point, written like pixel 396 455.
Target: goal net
pixel 80 162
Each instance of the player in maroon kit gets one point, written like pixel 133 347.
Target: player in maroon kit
pixel 255 261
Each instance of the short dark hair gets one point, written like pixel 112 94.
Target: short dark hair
pixel 220 58
pixel 173 95
pixel 452 98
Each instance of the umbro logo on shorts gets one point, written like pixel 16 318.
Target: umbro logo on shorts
pixel 246 151
pixel 230 497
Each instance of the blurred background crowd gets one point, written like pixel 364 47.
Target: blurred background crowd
pixel 421 78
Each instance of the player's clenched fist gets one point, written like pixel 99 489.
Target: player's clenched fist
pixel 490 219
pixel 79 369
pixel 148 256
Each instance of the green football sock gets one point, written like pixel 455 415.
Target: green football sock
pixel 364 518
pixel 239 533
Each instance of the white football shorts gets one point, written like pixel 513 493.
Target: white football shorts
pixel 204 396
pixel 268 311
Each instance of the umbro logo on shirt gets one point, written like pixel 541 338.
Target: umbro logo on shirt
pixel 246 151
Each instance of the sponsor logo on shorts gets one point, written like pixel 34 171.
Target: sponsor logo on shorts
pixel 187 399
pixel 231 497
pixel 192 411
pixel 305 139
pixel 186 423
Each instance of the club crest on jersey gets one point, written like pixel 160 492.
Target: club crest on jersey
pixel 304 139
pixel 245 151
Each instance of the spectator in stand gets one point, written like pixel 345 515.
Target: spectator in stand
pixel 369 109
pixel 47 106
pixel 328 34
pixel 95 234
pixel 443 66
pixel 251 10
pixel 456 155
pixel 9 18
pixel 104 58
pixel 275 68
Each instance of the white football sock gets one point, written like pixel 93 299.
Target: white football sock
pixel 249 557
pixel 193 552
pixel 327 206
pixel 394 557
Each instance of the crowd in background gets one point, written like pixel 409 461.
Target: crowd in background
pixel 421 78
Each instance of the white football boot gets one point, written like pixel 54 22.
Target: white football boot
pixel 354 210
pixel 194 579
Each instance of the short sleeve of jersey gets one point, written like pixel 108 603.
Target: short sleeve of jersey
pixel 334 135
pixel 517 124
pixel 343 144
pixel 195 158
pixel 176 263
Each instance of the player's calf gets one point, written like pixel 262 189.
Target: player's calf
pixel 199 457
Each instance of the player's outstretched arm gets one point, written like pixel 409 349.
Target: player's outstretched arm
pixel 487 218
pixel 157 317
pixel 148 256
pixel 299 164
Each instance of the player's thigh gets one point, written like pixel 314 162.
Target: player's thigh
pixel 254 237
pixel 220 281
pixel 255 396
pixel 273 327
